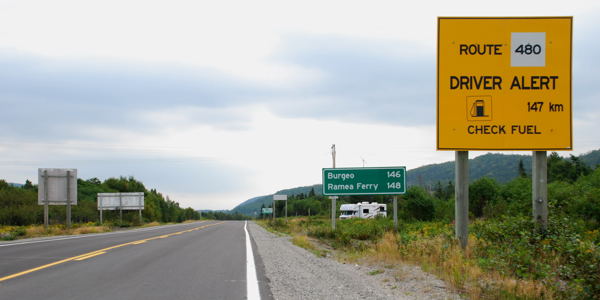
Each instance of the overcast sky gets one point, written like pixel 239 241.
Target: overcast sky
pixel 215 102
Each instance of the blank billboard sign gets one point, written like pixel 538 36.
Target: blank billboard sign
pixel 56 185
pixel 280 197
pixel 124 201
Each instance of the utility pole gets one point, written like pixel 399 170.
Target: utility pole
pixel 333 198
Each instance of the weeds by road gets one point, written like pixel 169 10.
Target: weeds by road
pixel 507 258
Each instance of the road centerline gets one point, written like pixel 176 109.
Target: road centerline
pixel 98 252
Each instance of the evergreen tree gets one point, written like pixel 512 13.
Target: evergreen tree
pixel 522 172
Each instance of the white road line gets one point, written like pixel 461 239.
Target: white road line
pixel 251 281
pixel 89 235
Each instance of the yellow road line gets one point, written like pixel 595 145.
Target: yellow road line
pixel 90 256
pixel 98 252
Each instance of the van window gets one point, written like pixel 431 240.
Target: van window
pixel 365 211
pixel 382 208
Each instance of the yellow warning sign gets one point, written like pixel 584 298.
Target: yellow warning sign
pixel 504 83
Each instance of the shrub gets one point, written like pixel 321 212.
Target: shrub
pixel 482 192
pixel 419 204
pixel 514 247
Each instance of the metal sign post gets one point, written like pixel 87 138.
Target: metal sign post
pixel 504 83
pixel 140 210
pixel 333 211
pixel 396 213
pixel 333 198
pixel 46 200
pixel 100 208
pixel 282 198
pixel 121 201
pixel 68 200
pixel 120 210
pixel 57 187
pixel 539 195
pixel 461 194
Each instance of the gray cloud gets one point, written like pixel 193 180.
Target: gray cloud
pixel 183 175
pixel 46 98
pixel 364 81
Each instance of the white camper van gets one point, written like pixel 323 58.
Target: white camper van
pixel 363 210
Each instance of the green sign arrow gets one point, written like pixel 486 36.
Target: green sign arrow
pixel 364 181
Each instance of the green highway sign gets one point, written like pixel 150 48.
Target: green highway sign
pixel 267 210
pixel 364 181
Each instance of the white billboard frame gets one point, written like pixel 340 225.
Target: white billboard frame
pixel 279 197
pixel 120 201
pixel 57 186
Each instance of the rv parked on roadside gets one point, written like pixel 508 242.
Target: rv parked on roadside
pixel 363 210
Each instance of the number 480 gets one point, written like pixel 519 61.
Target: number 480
pixel 529 49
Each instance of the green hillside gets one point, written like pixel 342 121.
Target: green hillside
pixel 500 167
pixel 253 205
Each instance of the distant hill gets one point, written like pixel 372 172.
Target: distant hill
pixel 252 205
pixel 501 167
pixel 15 184
pixel 591 159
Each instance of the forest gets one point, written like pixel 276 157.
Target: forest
pixel 19 205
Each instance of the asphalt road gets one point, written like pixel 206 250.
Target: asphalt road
pixel 203 260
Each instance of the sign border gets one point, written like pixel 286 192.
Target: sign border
pixel 366 168
pixel 437 118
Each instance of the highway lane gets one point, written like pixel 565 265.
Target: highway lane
pixel 204 260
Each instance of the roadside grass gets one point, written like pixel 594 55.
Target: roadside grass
pixel 303 241
pixel 151 224
pixel 32 231
pixel 8 233
pixel 506 258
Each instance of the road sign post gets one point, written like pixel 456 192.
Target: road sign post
pixel 57 187
pixel 395 213
pixel 121 201
pixel 461 196
pixel 46 200
pixel 68 200
pixel 333 198
pixel 281 198
pixel 504 84
pixel 539 195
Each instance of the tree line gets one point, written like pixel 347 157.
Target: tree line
pixel 573 190
pixel 19 206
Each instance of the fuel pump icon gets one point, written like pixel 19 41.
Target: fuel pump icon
pixel 478 109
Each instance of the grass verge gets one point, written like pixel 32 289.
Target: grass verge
pixel 506 258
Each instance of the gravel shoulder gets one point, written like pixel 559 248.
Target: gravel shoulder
pixel 294 273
